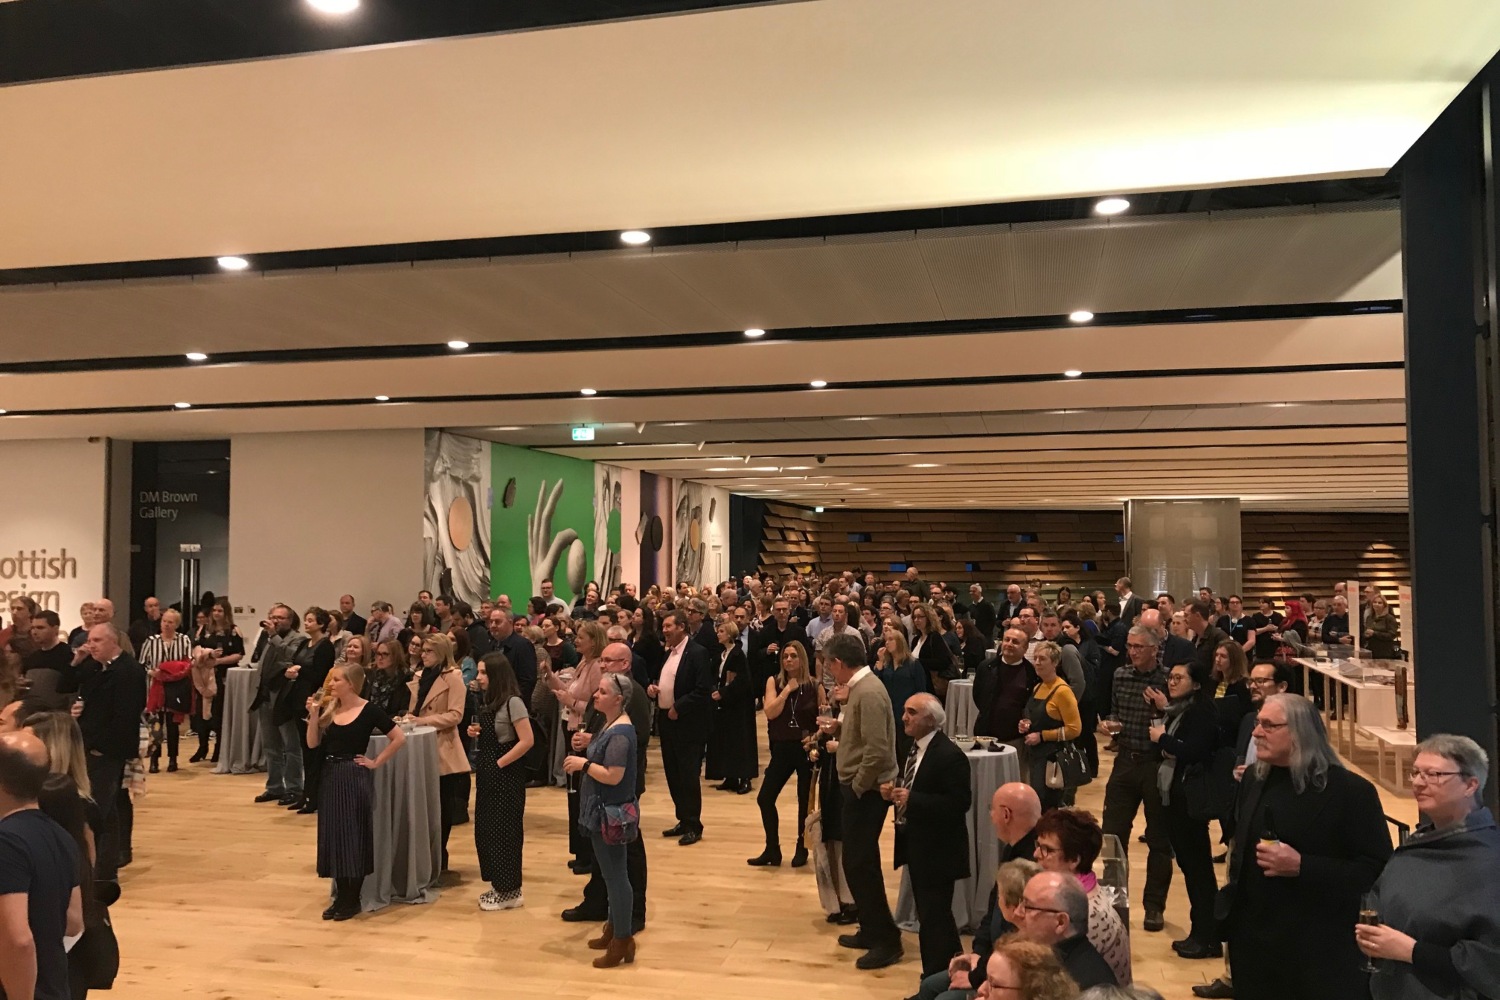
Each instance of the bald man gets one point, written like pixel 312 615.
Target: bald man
pixel 932 797
pixel 40 901
pixel 10 717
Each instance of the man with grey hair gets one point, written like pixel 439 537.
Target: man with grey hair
pixel 1054 911
pixel 1132 783
pixel 701 626
pixel 278 644
pixel 1310 839
pixel 384 625
pixel 113 688
pixel 932 797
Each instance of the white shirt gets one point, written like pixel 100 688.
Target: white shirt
pixel 668 682
pixel 921 745
pixel 859 675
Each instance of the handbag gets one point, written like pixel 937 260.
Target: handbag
pixel 620 824
pixel 1068 768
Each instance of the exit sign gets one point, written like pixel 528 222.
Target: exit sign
pixel 583 434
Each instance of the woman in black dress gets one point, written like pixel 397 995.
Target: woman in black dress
pixel 310 666
pixel 503 733
pixel 792 700
pixel 731 744
pixel 223 644
pixel 346 820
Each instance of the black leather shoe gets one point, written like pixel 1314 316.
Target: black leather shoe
pixel 1216 990
pixel 799 857
pixel 582 915
pixel 725 786
pixel 346 914
pixel 307 809
pixel 171 766
pixel 879 958
pixel 745 788
pixel 580 867
pixel 332 909
pixel 766 858
pixel 290 801
pixel 200 755
pixel 853 941
pixel 155 767
pixel 690 838
pixel 268 797
pixel 1197 949
pixel 846 918
pixel 833 918
pixel 1153 921
pixel 675 831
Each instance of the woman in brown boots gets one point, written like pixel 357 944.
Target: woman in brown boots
pixel 608 812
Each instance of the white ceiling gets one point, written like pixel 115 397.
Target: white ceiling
pixel 788 110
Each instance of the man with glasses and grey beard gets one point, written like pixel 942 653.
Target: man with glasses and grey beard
pixel 278 644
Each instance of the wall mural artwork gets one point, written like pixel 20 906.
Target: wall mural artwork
pixel 543 526
pixel 609 486
pixel 689 523
pixel 456 516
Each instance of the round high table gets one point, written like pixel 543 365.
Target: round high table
pixel 240 750
pixel 988 770
pixel 960 707
pixel 408 831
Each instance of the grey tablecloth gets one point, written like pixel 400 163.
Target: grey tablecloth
pixel 987 772
pixel 408 831
pixel 240 750
pixel 960 707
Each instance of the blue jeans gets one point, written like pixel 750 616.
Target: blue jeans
pixel 283 746
pixel 935 987
pixel 611 859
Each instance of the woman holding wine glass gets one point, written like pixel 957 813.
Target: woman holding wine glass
pixel 1432 921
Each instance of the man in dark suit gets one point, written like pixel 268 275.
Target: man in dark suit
pixel 1130 605
pixel 1310 839
pixel 1010 607
pixel 1173 649
pixel 683 696
pixel 981 612
pixel 772 637
pixel 356 623
pixel 932 797
pixel 1200 618
pixel 113 687
pixel 701 627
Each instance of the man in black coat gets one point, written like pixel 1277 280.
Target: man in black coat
pixel 356 623
pixel 701 627
pixel 1173 649
pixel 932 797
pixel 1308 843
pixel 1054 911
pixel 1200 618
pixel 684 698
pixel 113 687
pixel 767 643
pixel 981 612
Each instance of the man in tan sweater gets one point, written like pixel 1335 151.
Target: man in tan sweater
pixel 866 760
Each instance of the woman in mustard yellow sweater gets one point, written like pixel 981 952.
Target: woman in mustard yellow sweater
pixel 1050 720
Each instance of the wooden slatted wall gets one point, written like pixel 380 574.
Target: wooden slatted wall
pixel 789 540
pixel 1307 552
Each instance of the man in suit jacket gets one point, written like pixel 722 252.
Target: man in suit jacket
pixel 1173 649
pixel 113 687
pixel 1200 618
pixel 932 796
pixel 1130 606
pixel 356 623
pixel 274 651
pixel 866 760
pixel 1309 841
pixel 701 627
pixel 683 696
pixel 771 638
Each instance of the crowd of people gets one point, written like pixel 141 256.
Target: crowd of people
pixel 850 673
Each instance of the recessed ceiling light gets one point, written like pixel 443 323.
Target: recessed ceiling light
pixel 925 465
pixel 196 356
pixel 182 406
pixel 1072 373
pixel 382 399
pixel 3 412
pixel 1111 206
pixel 798 468
pixel 334 6
pixel 1080 315
pixel 510 428
pixel 233 263
pixel 458 345
pixel 818 383
pixel 817 510
pixel 635 237
pixel 755 331
pixel 589 392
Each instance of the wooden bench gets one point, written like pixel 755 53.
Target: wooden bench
pixel 1400 746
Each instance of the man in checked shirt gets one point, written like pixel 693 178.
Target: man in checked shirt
pixel 1133 780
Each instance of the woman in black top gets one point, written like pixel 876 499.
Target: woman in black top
pixel 222 643
pixel 792 699
pixel 346 820
pixel 927 645
pixel 973 644
pixel 732 752
pixel 1187 738
pixel 502 731
pixel 309 669
pixel 385 683
pixel 645 642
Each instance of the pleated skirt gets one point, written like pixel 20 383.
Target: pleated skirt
pixel 346 821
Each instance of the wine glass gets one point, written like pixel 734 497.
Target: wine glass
pixel 1369 913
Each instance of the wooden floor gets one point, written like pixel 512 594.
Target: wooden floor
pixel 222 902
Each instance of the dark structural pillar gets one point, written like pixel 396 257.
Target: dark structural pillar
pixel 1449 216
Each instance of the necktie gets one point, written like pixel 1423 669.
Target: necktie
pixel 908 771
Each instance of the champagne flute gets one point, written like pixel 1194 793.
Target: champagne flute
pixel 1369 913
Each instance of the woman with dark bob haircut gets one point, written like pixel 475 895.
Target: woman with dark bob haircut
pixel 1068 840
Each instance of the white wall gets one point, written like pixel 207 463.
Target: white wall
pixel 313 516
pixel 52 538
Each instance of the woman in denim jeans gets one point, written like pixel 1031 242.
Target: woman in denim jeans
pixel 609 779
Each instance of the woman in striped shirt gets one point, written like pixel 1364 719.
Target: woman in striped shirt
pixel 170 645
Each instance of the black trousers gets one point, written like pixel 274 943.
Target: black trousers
pixel 1189 838
pixel 1087 740
pixel 1272 967
pixel 938 938
pixel 312 765
pixel 862 817
pixel 174 736
pixel 596 896
pixel 681 761
pixel 579 844
pixel 105 776
pixel 1132 784
pixel 449 790
pixel 787 758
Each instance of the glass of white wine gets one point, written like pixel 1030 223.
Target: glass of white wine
pixel 1369 913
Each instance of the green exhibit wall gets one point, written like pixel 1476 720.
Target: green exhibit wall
pixel 557 493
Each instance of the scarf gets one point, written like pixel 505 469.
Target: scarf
pixel 424 686
pixel 1175 712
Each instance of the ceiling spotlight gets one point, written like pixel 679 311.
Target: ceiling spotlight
pixel 589 392
pixel 382 399
pixel 182 406
pixel 1111 206
pixel 754 332
pixel 196 356
pixel 458 345
pixel 334 6
pixel 1072 373
pixel 3 412
pixel 925 465
pixel 635 237
pixel 818 383
pixel 817 510
pixel 1080 315
pixel 233 263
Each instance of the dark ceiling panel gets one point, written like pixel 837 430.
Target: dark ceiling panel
pixel 55 39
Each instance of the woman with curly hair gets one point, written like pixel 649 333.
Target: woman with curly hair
pixel 1068 840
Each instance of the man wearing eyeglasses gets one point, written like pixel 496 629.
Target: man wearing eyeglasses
pixel 1054 911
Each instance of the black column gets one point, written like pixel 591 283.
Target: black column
pixel 1448 252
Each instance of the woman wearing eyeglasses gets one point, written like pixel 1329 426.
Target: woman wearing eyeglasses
pixel 1439 930
pixel 1068 840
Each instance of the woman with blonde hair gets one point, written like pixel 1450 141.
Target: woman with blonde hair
pixel 439 698
pixel 792 699
pixel 1028 970
pixel 356 650
pixel 573 696
pixel 346 810
pixel 898 670
pixel 1050 719
pixel 64 741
